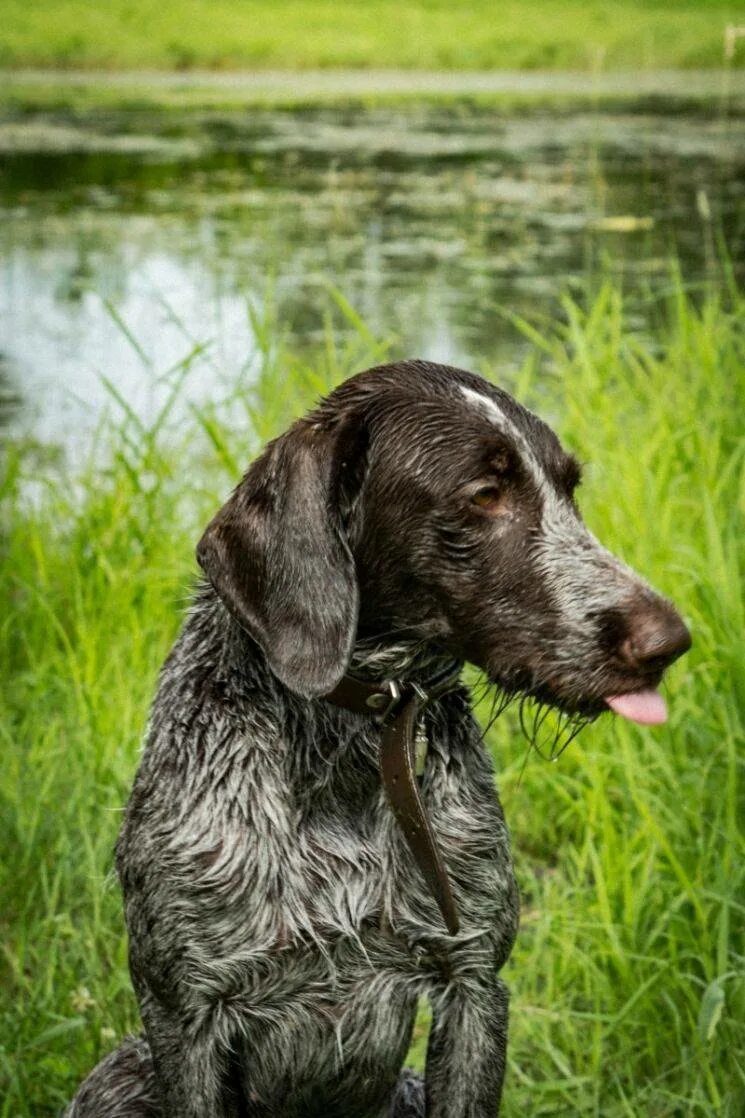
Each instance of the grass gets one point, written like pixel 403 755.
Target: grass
pixel 420 34
pixel 628 976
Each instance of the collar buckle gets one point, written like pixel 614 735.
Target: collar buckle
pixel 385 702
pixel 389 698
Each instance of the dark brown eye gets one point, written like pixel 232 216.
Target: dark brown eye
pixel 489 495
pixel 491 499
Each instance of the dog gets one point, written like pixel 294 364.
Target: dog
pixel 314 840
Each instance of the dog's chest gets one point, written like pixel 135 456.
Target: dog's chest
pixel 358 870
pixel 344 848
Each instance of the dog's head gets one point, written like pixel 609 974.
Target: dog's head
pixel 420 503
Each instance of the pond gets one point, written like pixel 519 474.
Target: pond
pixel 125 242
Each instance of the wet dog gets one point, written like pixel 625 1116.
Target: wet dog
pixel 282 925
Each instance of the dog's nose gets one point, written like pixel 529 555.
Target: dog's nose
pixel 656 637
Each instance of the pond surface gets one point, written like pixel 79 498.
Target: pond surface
pixel 433 222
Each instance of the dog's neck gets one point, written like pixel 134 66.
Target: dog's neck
pixel 374 658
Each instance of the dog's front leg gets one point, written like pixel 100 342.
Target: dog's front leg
pixel 192 1067
pixel 466 1051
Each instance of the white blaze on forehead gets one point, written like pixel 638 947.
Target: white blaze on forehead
pixel 488 406
pixel 491 409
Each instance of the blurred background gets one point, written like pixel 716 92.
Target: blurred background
pixel 442 167
pixel 213 211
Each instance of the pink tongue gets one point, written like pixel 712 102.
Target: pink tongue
pixel 645 707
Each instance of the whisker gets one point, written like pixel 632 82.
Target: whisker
pixel 523 766
pixel 533 715
pixel 577 724
pixel 521 717
pixel 541 714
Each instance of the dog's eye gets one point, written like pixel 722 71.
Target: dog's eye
pixel 490 498
pixel 486 496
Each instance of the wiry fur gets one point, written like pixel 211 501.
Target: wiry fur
pixel 280 935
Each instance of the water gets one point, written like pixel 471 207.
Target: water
pixel 433 222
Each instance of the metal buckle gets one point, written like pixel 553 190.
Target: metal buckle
pixel 384 705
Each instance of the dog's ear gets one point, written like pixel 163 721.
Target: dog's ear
pixel 278 557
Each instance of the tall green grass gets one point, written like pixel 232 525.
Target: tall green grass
pixel 627 978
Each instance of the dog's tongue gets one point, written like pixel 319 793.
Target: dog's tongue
pixel 645 707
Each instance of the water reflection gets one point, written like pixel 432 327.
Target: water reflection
pixel 431 222
pixel 10 401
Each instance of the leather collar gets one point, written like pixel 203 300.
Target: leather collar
pixel 395 705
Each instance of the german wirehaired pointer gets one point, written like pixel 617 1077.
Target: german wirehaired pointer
pixel 314 840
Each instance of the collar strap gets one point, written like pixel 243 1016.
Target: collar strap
pixel 395 705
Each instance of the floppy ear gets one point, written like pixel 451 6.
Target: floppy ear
pixel 277 555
